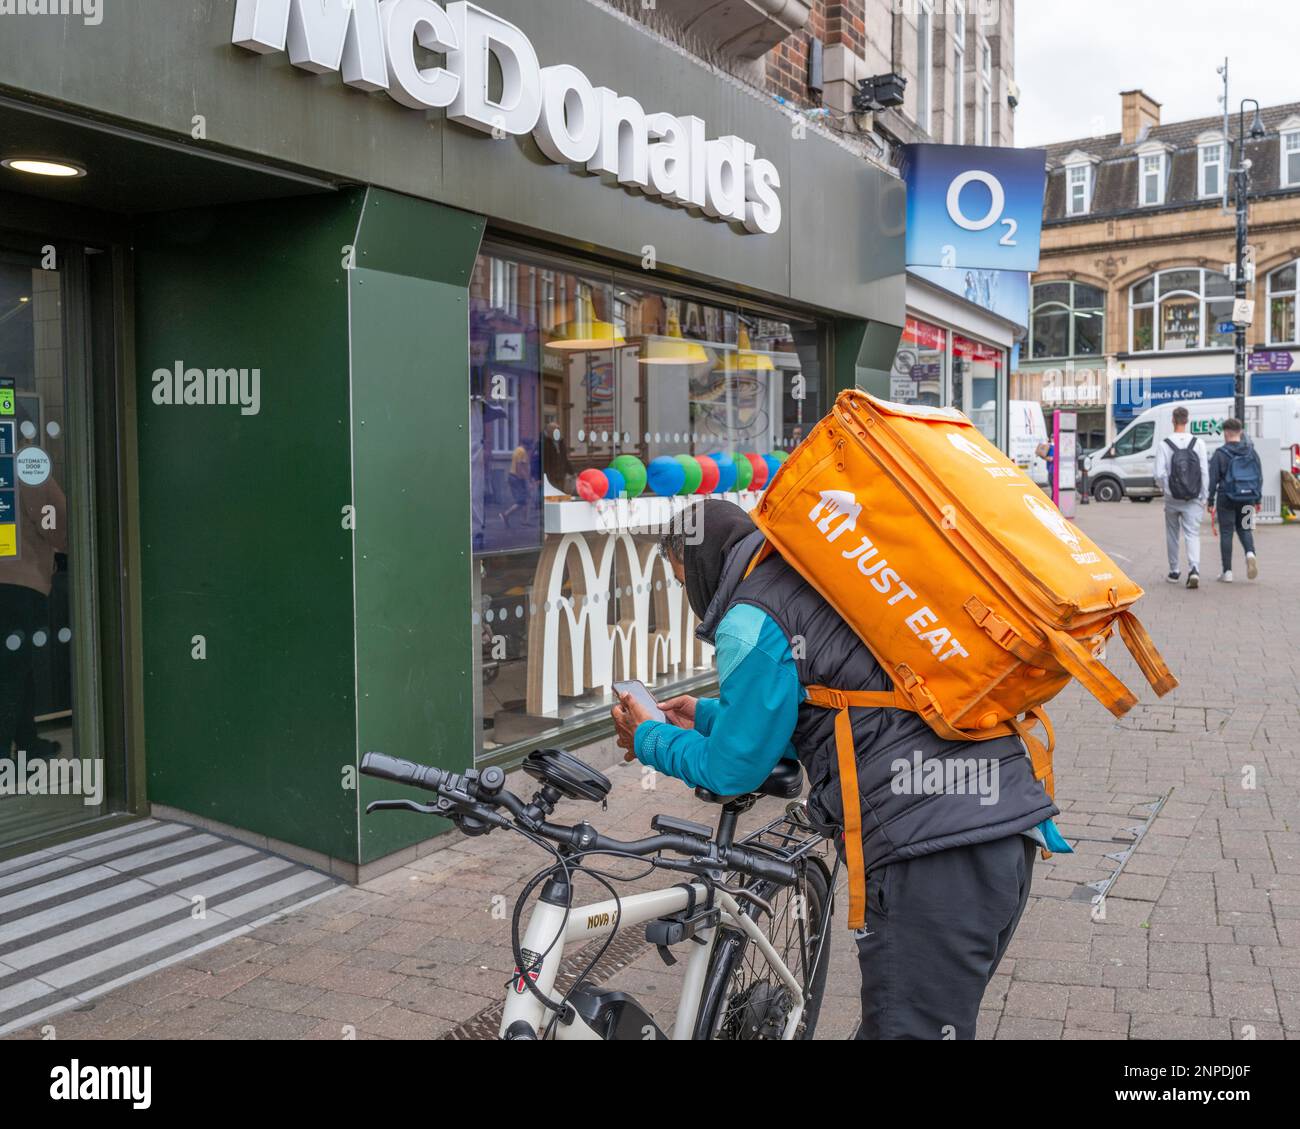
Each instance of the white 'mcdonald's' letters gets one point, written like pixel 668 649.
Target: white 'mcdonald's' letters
pixel 372 43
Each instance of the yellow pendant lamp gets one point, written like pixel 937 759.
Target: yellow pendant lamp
pixel 673 349
pixel 586 333
pixel 744 359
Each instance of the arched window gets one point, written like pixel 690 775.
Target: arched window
pixel 1069 321
pixel 1180 309
pixel 1282 305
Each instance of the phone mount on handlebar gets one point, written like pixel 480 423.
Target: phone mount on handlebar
pixel 569 776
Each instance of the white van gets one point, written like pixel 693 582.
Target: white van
pixel 1127 469
pixel 1028 430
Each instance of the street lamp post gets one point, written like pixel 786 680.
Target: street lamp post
pixel 1242 180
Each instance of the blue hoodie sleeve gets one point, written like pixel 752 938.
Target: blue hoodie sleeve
pixel 738 739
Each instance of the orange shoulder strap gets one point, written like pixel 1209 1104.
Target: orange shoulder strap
pixel 1040 756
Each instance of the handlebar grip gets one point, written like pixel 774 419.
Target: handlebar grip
pixel 764 866
pixel 384 767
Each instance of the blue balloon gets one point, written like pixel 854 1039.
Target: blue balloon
pixel 726 471
pixel 773 465
pixel 617 483
pixel 666 476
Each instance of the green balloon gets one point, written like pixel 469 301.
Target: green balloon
pixel 744 472
pixel 694 473
pixel 633 471
pixel 780 456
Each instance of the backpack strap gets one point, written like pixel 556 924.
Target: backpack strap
pixel 1096 679
pixel 765 550
pixel 1040 756
pixel 1143 650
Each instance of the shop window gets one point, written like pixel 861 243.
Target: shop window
pixel 1282 305
pixel 1177 310
pixel 979 384
pixel 579 372
pixel 918 373
pixel 1069 320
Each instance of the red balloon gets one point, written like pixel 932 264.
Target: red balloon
pixel 592 485
pixel 712 474
pixel 760 471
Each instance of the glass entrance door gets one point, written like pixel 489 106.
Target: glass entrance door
pixel 52 748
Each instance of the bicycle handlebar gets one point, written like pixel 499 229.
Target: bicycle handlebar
pixel 476 794
pixel 384 767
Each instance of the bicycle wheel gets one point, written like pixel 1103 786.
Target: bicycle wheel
pixel 743 997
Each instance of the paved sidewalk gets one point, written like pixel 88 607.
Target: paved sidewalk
pixel 1199 938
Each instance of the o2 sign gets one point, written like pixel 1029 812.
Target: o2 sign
pixel 973 207
pixel 997 208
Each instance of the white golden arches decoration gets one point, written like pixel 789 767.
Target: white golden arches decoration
pixel 574 648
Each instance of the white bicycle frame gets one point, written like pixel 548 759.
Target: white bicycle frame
pixel 591 922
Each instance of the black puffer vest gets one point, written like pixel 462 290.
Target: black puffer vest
pixel 904 814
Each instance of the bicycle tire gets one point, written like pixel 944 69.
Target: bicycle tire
pixel 726 1010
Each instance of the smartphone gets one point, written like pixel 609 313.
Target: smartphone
pixel 639 691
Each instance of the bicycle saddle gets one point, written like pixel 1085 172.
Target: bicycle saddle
pixel 567 774
pixel 785 783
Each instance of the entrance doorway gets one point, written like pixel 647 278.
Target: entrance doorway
pixel 62 752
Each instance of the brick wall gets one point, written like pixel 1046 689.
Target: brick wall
pixel 834 22
pixel 787 64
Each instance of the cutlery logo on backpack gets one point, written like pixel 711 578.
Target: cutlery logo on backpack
pixel 958 440
pixel 844 507
pixel 1055 523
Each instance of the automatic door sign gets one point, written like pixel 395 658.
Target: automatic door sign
pixel 33 466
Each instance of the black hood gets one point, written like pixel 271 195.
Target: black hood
pixel 717 528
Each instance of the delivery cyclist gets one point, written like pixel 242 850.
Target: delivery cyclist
pixel 948 871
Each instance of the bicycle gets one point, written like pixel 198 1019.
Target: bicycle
pixel 756 912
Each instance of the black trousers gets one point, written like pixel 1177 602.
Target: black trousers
pixel 22 611
pixel 937 927
pixel 1232 519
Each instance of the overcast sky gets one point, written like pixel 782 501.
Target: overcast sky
pixel 1073 57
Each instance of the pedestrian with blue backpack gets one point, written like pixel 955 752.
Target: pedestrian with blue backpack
pixel 1237 486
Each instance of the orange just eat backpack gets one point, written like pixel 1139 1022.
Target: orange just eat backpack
pixel 967 584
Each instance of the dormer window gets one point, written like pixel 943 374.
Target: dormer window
pixel 1151 177
pixel 1209 167
pixel 1291 157
pixel 1078 189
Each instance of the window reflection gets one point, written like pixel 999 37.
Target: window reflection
pixel 596 404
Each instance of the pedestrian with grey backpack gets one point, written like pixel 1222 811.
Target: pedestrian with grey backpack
pixel 1183 475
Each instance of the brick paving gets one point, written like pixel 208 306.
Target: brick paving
pixel 1199 937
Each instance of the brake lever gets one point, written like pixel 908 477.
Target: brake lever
pixel 403 805
pixel 742 894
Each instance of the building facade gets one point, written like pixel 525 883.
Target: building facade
pixel 1134 300
pixel 343 392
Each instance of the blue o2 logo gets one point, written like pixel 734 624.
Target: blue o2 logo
pixel 997 206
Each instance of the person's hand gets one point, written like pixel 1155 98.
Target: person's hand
pixel 627 715
pixel 680 711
